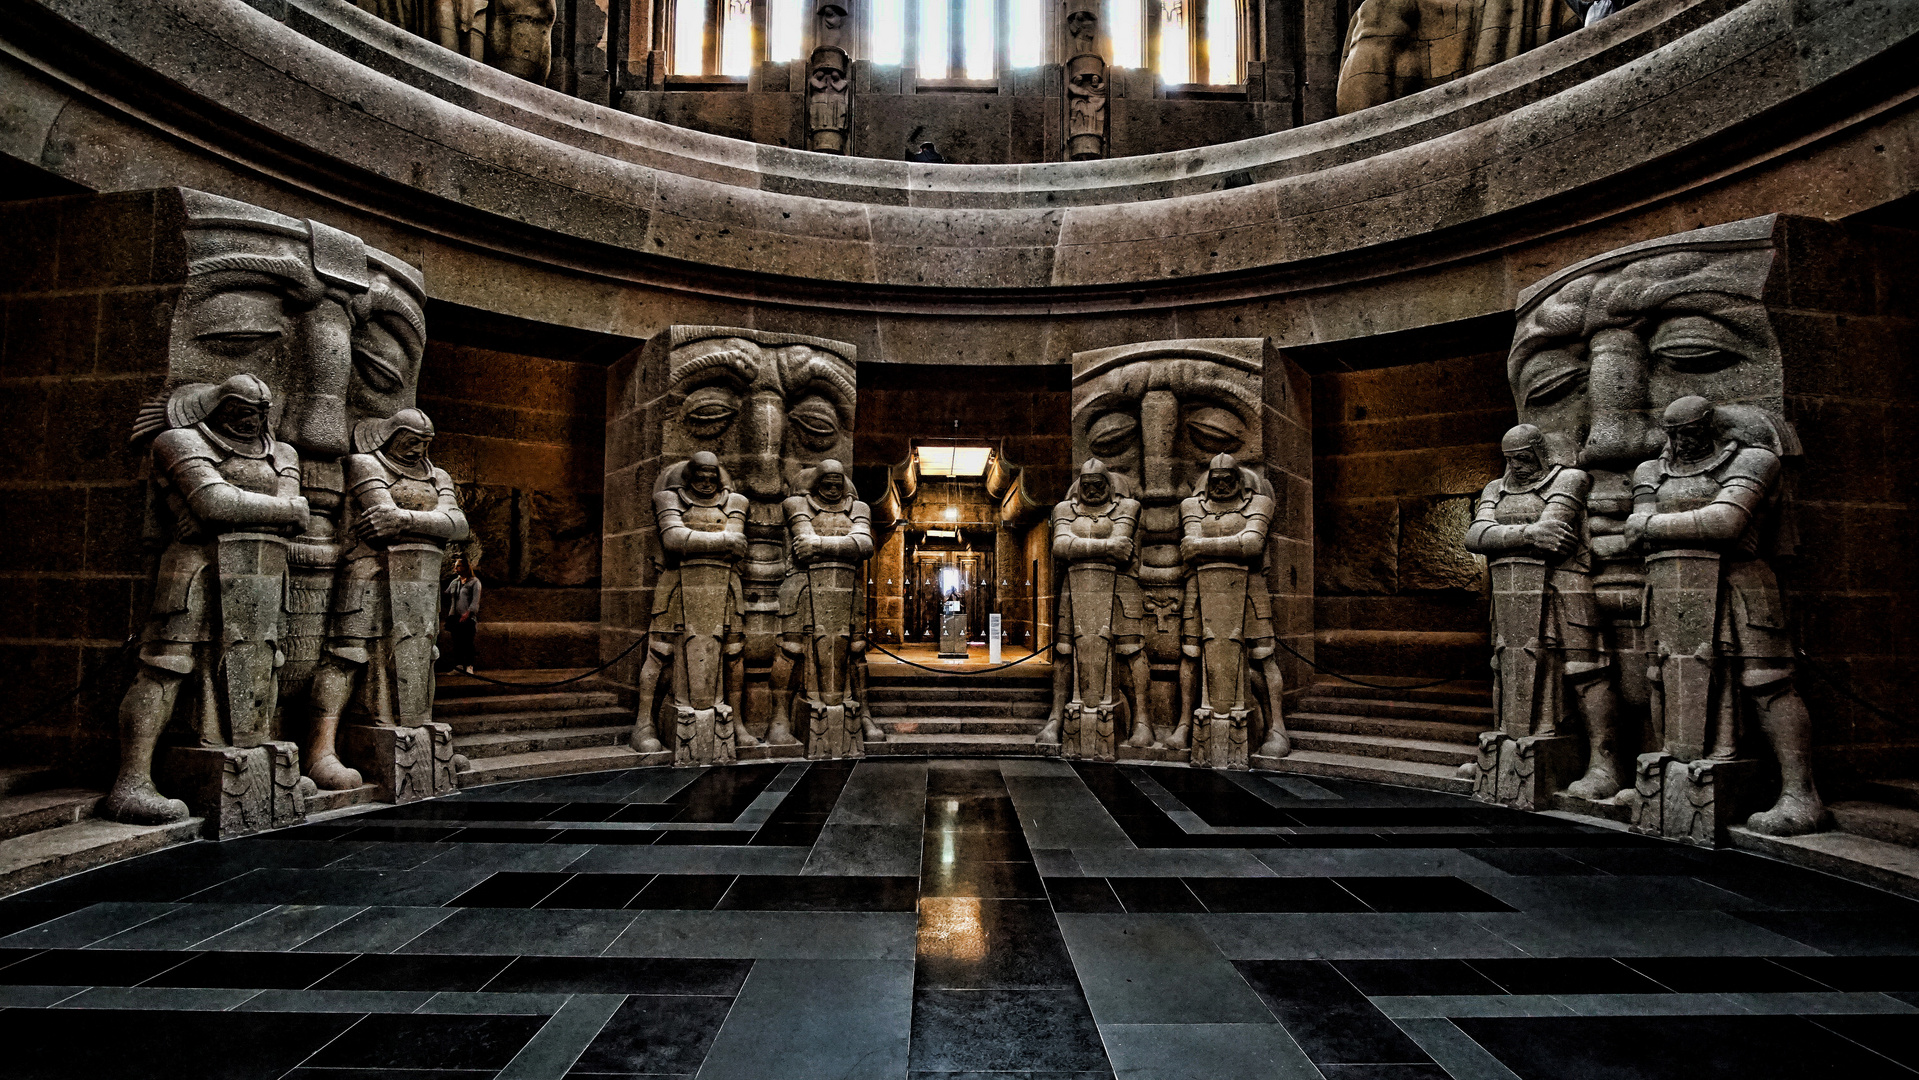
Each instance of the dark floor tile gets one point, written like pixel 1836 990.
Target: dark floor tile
pixel 1534 862
pixel 1226 895
pixel 620 975
pixel 401 834
pixel 391 1074
pixel 506 836
pixel 90 967
pixel 822 893
pixel 1329 1018
pixel 706 837
pixel 963 782
pixel 652 1035
pixel 975 812
pixel 1721 974
pixel 1384 1072
pixel 1420 894
pixel 251 970
pixel 622 837
pixel 1855 973
pixel 515 931
pixel 1007 1074
pixel 722 795
pixel 1897 1037
pixel 440 1041
pixel 10 957
pixel 1674 1048
pixel 444 973
pixel 1424 978
pixel 641 812
pixel 966 943
pixel 1572 975
pixel 1666 860
pixel 597 891
pixel 788 834
pixel 462 810
pixel 1145 895
pixel 1006 880
pixel 975 845
pixel 682 892
pixel 1088 896
pixel 1385 817
pixel 1842 933
pixel 88 1044
pixel 18 915
pixel 813 798
pixel 992 1030
pixel 582 811
pixel 387 888
pixel 510 889
pixel 1217 800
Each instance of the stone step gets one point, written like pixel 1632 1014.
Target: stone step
pixel 1424 751
pixel 18 779
pixel 1878 821
pixel 452 686
pixel 33 811
pixel 557 763
pixel 39 857
pixel 519 703
pixel 548 720
pixel 1391 688
pixel 1894 792
pixel 499 744
pixel 325 802
pixel 879 678
pixel 1382 727
pixel 961 746
pixel 1375 770
pixel 962 707
pixel 1479 716
pixel 1893 867
pixel 942 693
pixel 957 725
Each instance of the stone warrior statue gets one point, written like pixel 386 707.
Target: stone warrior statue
pixel 823 614
pixel 1227 619
pixel 1717 621
pixel 699 615
pixel 1531 525
pixel 1100 607
pixel 402 511
pixel 219 615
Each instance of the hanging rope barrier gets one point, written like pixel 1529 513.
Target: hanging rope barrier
pixel 560 682
pixel 950 671
pixel 1370 686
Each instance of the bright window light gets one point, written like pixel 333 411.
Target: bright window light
pixel 1123 22
pixel 889 31
pixel 783 30
pixel 1174 53
pixel 689 33
pixel 952 513
pixel 936 53
pixel 979 38
pixel 1222 42
pixel 954 460
pixel 1029 33
pixel 736 44
pixel 949 580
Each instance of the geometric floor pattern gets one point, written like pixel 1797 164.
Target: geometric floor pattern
pixel 955 920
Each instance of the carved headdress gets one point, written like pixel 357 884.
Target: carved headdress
pixel 371 435
pixel 191 403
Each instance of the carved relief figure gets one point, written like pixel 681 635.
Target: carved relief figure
pixel 402 512
pixel 232 496
pixel 823 615
pixel 1227 619
pixel 697 635
pixel 830 29
pixel 1399 47
pixel 1547 645
pixel 1085 108
pixel 1100 607
pixel 829 99
pixel 1715 614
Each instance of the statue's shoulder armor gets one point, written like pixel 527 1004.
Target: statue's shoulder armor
pixel 363 469
pixel 1494 488
pixel 285 458
pixel 175 447
pixel 795 506
pixel 1128 508
pixel 1754 463
pixel 860 511
pixel 1261 506
pixel 1648 474
pixel 735 504
pixel 1572 482
pixel 1064 510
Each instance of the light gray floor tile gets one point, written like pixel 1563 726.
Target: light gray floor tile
pixel 337 1001
pixel 1455 1051
pixel 659 785
pixel 377 930
pixel 1636 893
pixel 36 997
pixel 1057 810
pixel 520 858
pixel 1169 862
pixel 392 855
pixel 158 998
pixel 875 850
pixel 883 793
pixel 1289 788
pixel 1146 969
pixel 1366 936
pixel 1808 1002
pixel 183 927
pixel 556 1046
pixel 1423 1007
pixel 1650 1005
pixel 674 859
pixel 834 1019
pixel 771 935
pixel 1636 933
pixel 1374 862
pixel 1056 862
pixel 767 801
pixel 282 929
pixel 496 1004
pixel 1205 1052
pixel 86 926
pixel 1046 767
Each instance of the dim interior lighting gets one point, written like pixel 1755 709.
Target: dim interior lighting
pixel 952 513
pixel 954 460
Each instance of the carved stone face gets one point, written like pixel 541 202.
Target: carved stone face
pixel 241 420
pixel 1089 83
pixel 409 448
pixel 1083 28
pixel 830 486
pixel 703 478
pixel 1222 485
pixel 389 340
pixel 1525 465
pixel 1691 442
pixel 1094 490
pixel 832 16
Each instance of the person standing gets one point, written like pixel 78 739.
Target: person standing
pixel 463 610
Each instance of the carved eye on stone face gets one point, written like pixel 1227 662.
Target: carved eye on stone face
pixel 1697 345
pixel 1113 434
pixel 710 410
pixel 239 322
pixel 1552 375
pixel 385 350
pixel 815 423
pixel 1215 430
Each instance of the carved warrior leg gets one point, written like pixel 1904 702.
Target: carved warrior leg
pixel 332 689
pixel 1049 734
pixel 645 738
pixel 143 713
pixel 1188 703
pixel 870 730
pixel 1782 716
pixel 786 670
pixel 1598 707
pixel 735 674
pixel 1139 687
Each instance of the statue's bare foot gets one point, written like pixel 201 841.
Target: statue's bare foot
pixel 1180 737
pixel 871 731
pixel 743 737
pixel 330 774
pixel 1277 745
pixel 1598 785
pixel 1049 735
pixel 644 741
pixel 1795 814
pixel 779 736
pixel 1142 735
pixel 142 804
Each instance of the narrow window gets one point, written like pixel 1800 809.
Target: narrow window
pixel 736 42
pixel 1175 49
pixel 783 30
pixel 977 38
pixel 1029 33
pixel 1222 42
pixel 889 31
pixel 689 37
pixel 1124 20
pixel 936 53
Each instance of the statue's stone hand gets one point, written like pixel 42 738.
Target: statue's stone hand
pixel 1554 536
pixel 302 514
pixel 383 522
pixel 1635 530
pixel 805 548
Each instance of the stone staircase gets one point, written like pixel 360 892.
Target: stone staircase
pixel 926 714
pixel 508 733
pixel 48 830
pixel 1414 738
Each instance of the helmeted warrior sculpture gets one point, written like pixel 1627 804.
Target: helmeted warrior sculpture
pixel 1227 620
pixel 823 614
pixel 1100 607
pixel 402 511
pixel 1086 103
pixel 829 100
pixel 232 492
pixel 1716 619
pixel 698 626
pixel 1531 525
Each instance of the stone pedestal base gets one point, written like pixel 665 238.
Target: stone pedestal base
pixel 238 791
pixel 1123 752
pixel 768 752
pixel 404 764
pixel 1524 773
pixel 1693 801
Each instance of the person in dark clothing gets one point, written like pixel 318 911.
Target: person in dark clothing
pixel 463 611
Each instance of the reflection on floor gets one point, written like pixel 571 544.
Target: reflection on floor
pixel 1025 919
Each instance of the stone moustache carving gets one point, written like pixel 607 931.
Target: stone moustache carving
pixel 697 634
pixel 515 36
pixel 1399 47
pixel 823 615
pixel 1714 611
pixel 1100 608
pixel 1086 108
pixel 402 512
pixel 769 407
pixel 829 100
pixel 1226 626
pixel 232 497
pixel 1548 652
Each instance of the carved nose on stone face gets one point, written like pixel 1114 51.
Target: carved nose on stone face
pixel 1158 428
pixel 762 430
pixel 1622 431
pixel 314 419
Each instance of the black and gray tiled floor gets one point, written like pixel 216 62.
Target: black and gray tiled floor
pixel 955 920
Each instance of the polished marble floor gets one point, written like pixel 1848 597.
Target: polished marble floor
pixel 955 920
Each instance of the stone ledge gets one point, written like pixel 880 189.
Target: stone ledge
pixel 40 857
pixel 1855 858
